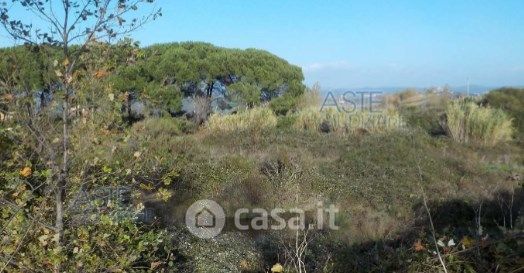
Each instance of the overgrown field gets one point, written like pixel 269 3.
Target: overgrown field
pixel 412 182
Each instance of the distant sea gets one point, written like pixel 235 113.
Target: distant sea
pixel 473 89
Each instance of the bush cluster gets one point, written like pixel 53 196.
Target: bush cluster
pixel 468 122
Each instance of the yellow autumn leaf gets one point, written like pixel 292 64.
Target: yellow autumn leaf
pixel 7 97
pixel 277 268
pixel 155 265
pixel 244 265
pixel 164 194
pixel 467 242
pixel 69 78
pixel 43 240
pixel 101 74
pixel 65 63
pixel 418 246
pixel 146 186
pixel 26 172
pixel 56 238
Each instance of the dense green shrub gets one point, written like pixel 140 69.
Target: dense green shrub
pixel 28 67
pixel 250 76
pixel 163 73
pixel 103 234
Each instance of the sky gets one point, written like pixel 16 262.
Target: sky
pixel 352 44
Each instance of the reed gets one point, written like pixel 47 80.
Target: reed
pixel 467 122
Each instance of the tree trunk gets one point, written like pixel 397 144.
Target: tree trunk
pixel 210 87
pixel 63 177
pixel 59 222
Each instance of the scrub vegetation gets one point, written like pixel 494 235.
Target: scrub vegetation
pixel 134 172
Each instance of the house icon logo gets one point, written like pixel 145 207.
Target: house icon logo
pixel 205 219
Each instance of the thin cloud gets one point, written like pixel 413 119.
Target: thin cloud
pixel 315 67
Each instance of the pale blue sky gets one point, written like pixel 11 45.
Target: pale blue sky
pixel 344 44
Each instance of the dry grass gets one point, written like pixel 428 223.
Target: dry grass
pixel 260 118
pixel 467 122
pixel 397 100
pixel 311 98
pixel 412 98
pixel 332 120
